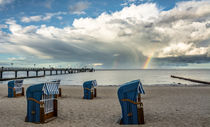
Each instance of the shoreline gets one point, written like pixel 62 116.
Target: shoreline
pixel 163 106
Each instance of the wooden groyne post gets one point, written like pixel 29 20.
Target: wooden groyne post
pixel 192 80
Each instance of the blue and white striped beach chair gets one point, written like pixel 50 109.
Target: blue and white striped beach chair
pixel 15 88
pixel 130 101
pixel 90 89
pixel 41 102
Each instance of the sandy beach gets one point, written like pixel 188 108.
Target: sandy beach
pixel 164 106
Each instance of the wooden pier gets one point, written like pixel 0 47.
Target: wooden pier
pixel 58 71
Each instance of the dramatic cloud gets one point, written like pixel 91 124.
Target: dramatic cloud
pixel 123 39
pixel 79 8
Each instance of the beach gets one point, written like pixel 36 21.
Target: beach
pixel 164 106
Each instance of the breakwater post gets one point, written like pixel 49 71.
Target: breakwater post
pixel 192 80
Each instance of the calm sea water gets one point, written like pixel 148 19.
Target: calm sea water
pixel 117 77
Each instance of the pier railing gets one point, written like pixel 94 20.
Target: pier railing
pixel 37 70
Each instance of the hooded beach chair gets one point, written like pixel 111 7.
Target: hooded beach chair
pixel 15 88
pixel 130 101
pixel 58 84
pixel 90 89
pixel 41 102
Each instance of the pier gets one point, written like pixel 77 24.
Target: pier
pixel 57 71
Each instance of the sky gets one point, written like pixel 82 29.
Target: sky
pixel 107 34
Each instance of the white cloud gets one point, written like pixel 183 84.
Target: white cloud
pixel 37 18
pixel 4 2
pixel 3 26
pixel 59 17
pixel 79 7
pixel 116 54
pixel 31 19
pixel 97 64
pixel 16 59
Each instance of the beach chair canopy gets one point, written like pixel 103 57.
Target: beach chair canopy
pixel 57 82
pixel 90 84
pixel 51 88
pixel 18 83
pixel 15 83
pixel 37 90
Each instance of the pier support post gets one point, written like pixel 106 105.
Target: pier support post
pixel 50 72
pixel 1 74
pixel 27 73
pixel 37 73
pixel 44 72
pixel 61 71
pixel 16 74
pixel 56 72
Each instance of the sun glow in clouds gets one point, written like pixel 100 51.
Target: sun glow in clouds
pixel 146 64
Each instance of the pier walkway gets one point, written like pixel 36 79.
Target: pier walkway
pixel 57 71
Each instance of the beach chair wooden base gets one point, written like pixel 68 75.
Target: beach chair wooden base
pixel 49 116
pixel 60 94
pixel 95 94
pixel 140 110
pixel 140 114
pixel 92 95
pixel 44 118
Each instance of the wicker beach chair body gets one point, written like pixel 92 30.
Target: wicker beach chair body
pixel 89 89
pixel 15 88
pixel 33 108
pixel 41 102
pixel 128 98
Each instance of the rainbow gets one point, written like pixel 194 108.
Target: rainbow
pixel 146 64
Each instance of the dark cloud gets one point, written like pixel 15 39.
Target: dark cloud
pixel 181 60
pixel 92 52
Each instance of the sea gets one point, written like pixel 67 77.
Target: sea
pixel 149 77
